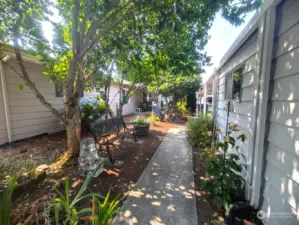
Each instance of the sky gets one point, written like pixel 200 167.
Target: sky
pixel 222 36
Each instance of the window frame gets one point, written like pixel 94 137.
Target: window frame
pixel 230 74
pixel 122 95
pixel 58 91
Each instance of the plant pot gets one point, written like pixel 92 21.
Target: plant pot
pixel 141 130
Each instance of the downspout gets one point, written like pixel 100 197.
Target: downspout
pixel 5 100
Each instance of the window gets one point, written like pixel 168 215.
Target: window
pixel 233 85
pixel 125 99
pixel 58 90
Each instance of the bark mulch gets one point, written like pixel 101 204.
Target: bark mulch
pixel 48 148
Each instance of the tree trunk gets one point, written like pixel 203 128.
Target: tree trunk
pixel 73 129
pixel 120 110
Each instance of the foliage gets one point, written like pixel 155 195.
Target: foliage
pixel 223 179
pixel 191 102
pixel 146 37
pixel 182 106
pixel 198 131
pixel 24 169
pixel 92 110
pixel 140 120
pixel 153 119
pixel 31 171
pixel 176 86
pixel 5 201
pixel 99 213
pixel 69 206
pixel 103 212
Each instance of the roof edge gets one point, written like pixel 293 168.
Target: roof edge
pixel 8 50
pixel 247 31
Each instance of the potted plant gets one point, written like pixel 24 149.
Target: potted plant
pixel 141 126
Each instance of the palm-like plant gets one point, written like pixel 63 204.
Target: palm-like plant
pixel 5 201
pixel 68 206
pixel 103 212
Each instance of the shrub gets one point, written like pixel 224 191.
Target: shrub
pixel 92 109
pixel 140 120
pixel 223 171
pixel 153 119
pixel 197 131
pixel 67 210
pixel 182 107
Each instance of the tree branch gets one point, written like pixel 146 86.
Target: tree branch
pixel 97 38
pixel 98 22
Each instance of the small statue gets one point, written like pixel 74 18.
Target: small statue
pixel 89 159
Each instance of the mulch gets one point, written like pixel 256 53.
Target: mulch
pixel 119 180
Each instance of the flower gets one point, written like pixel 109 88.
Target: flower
pixel 231 126
pixel 209 133
pixel 227 139
pixel 90 117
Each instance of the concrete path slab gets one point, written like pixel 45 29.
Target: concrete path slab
pixel 164 194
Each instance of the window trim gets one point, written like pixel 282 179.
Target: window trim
pixel 126 91
pixel 58 90
pixel 231 73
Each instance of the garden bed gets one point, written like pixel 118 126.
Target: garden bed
pixel 206 210
pixel 135 156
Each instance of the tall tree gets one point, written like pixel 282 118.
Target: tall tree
pixel 88 31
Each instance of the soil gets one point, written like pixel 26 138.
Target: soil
pixel 119 180
pixel 207 212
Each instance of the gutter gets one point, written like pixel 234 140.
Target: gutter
pixel 5 100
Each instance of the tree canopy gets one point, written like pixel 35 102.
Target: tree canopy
pixel 146 37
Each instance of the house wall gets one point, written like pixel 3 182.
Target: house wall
pixel 281 177
pixel 27 116
pixel 114 96
pixel 243 110
pixel 3 128
pixel 279 170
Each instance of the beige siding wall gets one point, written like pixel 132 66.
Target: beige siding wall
pixel 281 178
pixel 114 96
pixel 27 116
pixel 243 110
pixel 3 129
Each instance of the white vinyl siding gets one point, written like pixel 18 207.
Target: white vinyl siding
pixel 281 178
pixel 241 115
pixel 28 117
pixel 114 97
pixel 3 128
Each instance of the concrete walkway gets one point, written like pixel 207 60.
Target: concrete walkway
pixel 164 194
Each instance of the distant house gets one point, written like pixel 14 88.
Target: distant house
pixel 259 75
pixel 21 113
pixel 204 95
pixel 138 97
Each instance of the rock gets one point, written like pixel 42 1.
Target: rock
pixel 42 168
pixel 89 159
